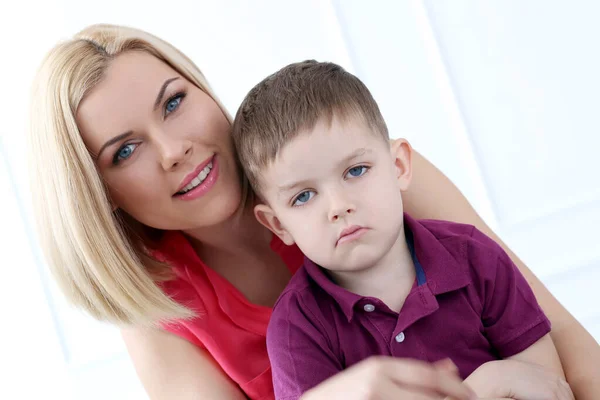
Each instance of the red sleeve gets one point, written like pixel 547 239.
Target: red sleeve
pixel 511 316
pixel 300 354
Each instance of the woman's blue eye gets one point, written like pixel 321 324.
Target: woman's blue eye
pixel 303 198
pixel 357 171
pixel 173 103
pixel 124 153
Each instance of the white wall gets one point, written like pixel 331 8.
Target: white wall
pixel 501 95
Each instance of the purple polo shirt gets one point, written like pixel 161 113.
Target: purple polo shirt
pixel 469 303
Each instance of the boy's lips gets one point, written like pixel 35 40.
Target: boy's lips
pixel 351 233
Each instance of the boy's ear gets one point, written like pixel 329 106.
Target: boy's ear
pixel 402 156
pixel 265 215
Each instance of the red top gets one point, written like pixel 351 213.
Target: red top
pixel 230 328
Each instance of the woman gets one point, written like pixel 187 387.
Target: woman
pixel 137 190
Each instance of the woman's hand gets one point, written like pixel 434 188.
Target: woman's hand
pixel 393 378
pixel 518 380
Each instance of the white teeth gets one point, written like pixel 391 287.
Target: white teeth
pixel 197 180
pixel 203 174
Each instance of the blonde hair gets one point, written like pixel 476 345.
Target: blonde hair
pixel 293 100
pixel 101 262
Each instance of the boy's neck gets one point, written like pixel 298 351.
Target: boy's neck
pixel 389 280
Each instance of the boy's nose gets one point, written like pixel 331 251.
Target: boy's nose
pixel 340 208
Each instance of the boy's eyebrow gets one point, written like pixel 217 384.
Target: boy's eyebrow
pixel 357 153
pixel 287 187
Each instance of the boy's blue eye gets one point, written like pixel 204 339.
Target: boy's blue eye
pixel 357 171
pixel 124 153
pixel 303 198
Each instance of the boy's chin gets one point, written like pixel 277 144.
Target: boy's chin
pixel 355 264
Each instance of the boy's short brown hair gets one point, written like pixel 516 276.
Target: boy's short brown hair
pixel 292 100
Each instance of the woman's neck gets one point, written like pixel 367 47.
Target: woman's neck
pixel 239 234
pixel 239 250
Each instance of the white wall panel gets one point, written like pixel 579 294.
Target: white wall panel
pixel 526 75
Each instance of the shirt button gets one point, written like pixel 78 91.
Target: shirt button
pixel 369 307
pixel 400 337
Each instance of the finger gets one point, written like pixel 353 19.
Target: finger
pixel 566 392
pixel 446 365
pixel 423 375
pixel 410 394
pixel 388 389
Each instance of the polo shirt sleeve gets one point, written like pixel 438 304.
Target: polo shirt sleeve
pixel 511 316
pixel 300 353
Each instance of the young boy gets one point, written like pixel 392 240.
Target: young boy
pixel 315 148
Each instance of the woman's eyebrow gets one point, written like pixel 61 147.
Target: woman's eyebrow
pixel 112 141
pixel 162 90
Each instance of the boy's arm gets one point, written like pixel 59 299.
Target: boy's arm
pixel 535 372
pixel 300 353
pixel 515 326
pixel 512 379
pixel 578 351
pixel 512 319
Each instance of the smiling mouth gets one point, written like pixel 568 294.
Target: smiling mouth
pixel 197 181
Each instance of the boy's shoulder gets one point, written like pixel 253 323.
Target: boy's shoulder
pixel 446 229
pixel 302 304
pixel 470 240
pixel 299 293
pixel 469 249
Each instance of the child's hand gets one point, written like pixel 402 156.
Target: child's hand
pixel 393 378
pixel 518 380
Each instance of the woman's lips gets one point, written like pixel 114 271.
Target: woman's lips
pixel 206 185
pixel 190 177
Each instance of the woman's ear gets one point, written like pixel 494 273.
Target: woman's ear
pixel 402 156
pixel 265 215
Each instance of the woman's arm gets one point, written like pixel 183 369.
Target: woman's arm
pixel 171 368
pixel 543 353
pixel 579 353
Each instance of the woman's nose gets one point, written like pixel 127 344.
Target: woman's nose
pixel 173 152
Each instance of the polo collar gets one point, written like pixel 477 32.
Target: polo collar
pixel 437 270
